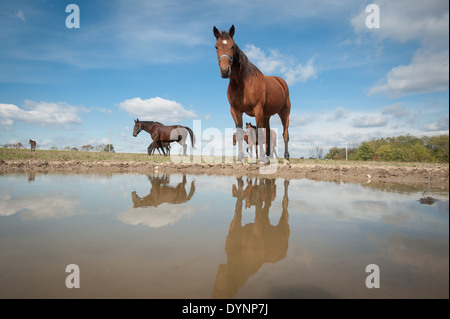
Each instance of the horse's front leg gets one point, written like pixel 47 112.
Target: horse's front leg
pixel 237 117
pixel 161 147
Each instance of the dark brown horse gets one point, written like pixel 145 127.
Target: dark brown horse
pixel 33 145
pixel 251 92
pixel 162 134
pixel 165 146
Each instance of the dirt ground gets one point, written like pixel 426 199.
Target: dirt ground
pixel 433 176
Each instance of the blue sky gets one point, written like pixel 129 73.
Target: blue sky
pixel 155 60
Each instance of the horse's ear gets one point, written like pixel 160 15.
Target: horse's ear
pixel 216 32
pixel 231 32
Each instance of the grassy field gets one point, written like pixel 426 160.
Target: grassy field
pixel 52 155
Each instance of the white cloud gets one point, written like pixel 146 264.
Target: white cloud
pixel 369 121
pixel 6 122
pixel 97 141
pixel 302 120
pixel 157 109
pixel 38 206
pixel 403 21
pixel 276 63
pixel 41 113
pixel 339 114
pixel 428 72
pixel 395 110
pixel 155 217
pixel 406 20
pixel 440 125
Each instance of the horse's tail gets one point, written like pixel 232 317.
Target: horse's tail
pixel 192 136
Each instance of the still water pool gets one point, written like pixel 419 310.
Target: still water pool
pixel 199 236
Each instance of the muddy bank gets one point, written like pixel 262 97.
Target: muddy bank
pixel 435 177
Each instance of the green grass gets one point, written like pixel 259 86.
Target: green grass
pixel 51 155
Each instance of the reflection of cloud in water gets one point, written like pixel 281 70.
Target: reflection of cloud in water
pixel 42 206
pixel 154 217
pixel 354 201
pixel 421 254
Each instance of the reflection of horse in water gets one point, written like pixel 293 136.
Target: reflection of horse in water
pixel 249 247
pixel 31 176
pixel 161 192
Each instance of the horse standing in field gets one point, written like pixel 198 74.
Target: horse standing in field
pixel 251 92
pixel 162 134
pixel 253 141
pixel 245 139
pixel 33 145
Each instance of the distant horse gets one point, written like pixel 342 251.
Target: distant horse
pixel 161 133
pixel 250 139
pixel 253 141
pixel 251 92
pixel 33 145
pixel 245 139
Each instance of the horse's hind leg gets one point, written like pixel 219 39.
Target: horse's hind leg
pixel 284 116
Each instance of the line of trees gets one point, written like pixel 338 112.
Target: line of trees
pixel 397 149
pixel 14 145
pixel 84 148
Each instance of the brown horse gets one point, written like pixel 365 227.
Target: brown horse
pixel 253 141
pixel 155 146
pixel 251 92
pixel 245 139
pixel 33 145
pixel 162 134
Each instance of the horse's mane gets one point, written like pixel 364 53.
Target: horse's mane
pixel 245 66
pixel 150 122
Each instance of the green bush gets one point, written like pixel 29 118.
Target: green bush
pixel 404 148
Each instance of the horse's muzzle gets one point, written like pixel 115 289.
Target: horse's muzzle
pixel 225 72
